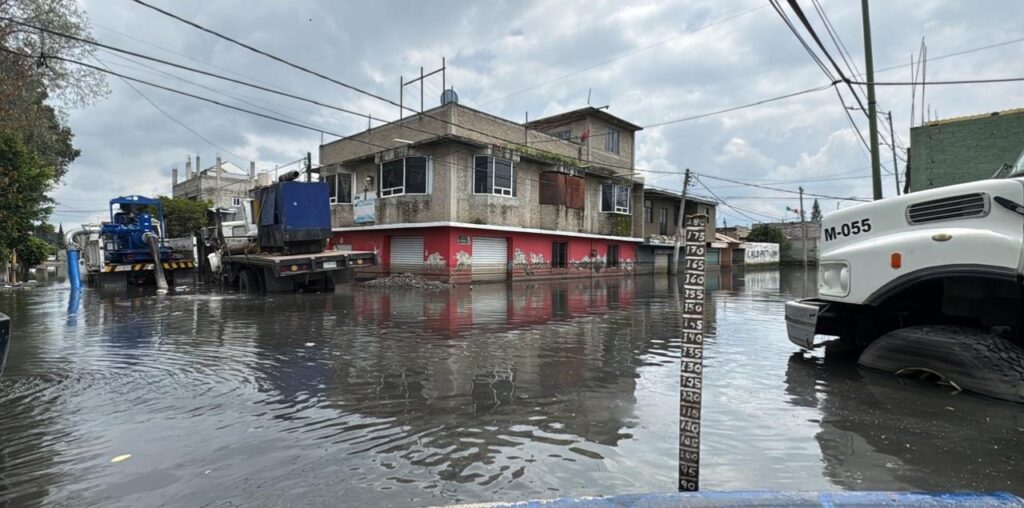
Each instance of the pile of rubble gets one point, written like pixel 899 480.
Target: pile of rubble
pixel 407 281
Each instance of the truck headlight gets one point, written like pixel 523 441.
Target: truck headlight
pixel 834 279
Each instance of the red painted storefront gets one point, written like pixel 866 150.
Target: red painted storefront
pixel 448 252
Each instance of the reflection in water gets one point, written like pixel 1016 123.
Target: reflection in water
pixel 497 391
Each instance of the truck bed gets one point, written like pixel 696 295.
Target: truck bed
pixel 294 264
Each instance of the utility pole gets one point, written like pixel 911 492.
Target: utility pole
pixel 895 169
pixel 674 267
pixel 803 227
pixel 876 170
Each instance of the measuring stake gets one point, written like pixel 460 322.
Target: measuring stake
pixel 691 353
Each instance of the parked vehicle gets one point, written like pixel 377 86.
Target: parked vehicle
pixel 928 281
pixel 276 241
pixel 129 249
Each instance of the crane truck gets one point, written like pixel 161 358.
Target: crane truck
pixel 929 281
pixel 275 241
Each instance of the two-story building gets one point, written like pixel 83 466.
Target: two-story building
pixel 461 195
pixel 224 184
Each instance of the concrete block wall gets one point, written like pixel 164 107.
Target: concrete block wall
pixel 949 152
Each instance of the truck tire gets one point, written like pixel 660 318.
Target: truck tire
pixel 969 358
pixel 248 282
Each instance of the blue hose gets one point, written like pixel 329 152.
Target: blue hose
pixel 74 274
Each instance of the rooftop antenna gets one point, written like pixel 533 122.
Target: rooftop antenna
pixel 588 95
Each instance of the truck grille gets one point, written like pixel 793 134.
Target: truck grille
pixel 965 206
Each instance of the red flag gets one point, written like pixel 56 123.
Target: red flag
pixel 585 136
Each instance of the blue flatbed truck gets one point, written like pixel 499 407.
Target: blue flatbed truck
pixel 279 246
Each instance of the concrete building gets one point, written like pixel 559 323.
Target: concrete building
pixel 223 183
pixel 794 232
pixel 964 149
pixel 461 195
pixel 660 216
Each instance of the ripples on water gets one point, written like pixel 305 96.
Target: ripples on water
pixel 492 392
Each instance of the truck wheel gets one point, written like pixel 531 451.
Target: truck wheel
pixel 248 282
pixel 968 358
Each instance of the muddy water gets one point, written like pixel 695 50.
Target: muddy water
pixel 496 392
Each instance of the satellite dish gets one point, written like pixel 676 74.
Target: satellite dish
pixel 449 96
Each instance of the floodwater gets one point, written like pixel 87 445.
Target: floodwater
pixel 495 392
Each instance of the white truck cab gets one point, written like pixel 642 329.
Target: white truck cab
pixel 950 256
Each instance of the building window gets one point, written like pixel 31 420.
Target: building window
pixel 236 201
pixel 663 221
pixel 410 175
pixel 563 134
pixel 559 254
pixel 648 212
pixel 615 198
pixel 613 256
pixel 492 175
pixel 339 188
pixel 611 141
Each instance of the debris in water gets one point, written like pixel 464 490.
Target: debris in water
pixel 120 458
pixel 407 281
pixel 310 344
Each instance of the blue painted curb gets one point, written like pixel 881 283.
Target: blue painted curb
pixel 773 498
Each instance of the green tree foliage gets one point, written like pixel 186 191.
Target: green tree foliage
pixel 24 182
pixel 71 85
pixel 184 216
pixel 765 233
pixel 32 252
pixel 816 211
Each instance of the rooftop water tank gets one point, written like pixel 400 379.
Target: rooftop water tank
pixel 449 96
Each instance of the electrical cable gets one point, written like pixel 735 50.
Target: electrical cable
pixel 170 116
pixel 777 189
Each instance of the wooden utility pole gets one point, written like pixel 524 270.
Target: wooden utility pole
pixel 876 169
pixel 803 227
pixel 895 169
pixel 674 267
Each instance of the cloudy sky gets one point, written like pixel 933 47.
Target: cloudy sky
pixel 650 61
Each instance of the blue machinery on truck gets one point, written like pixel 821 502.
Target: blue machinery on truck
pixel 128 248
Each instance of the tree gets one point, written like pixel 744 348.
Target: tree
pixel 32 252
pixel 764 233
pixel 24 182
pixel 816 211
pixel 184 216
pixel 71 85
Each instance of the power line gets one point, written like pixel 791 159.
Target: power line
pixel 777 189
pixel 947 82
pixel 170 116
pixel 181 66
pixel 733 207
pixel 745 106
pixel 266 54
pixel 169 89
pixel 807 47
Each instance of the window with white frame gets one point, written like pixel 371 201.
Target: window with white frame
pixel 340 188
pixel 492 175
pixel 236 201
pixel 410 175
pixel 611 141
pixel 615 198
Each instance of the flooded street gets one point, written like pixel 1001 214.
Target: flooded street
pixel 495 392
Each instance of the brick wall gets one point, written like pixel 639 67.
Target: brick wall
pixel 958 151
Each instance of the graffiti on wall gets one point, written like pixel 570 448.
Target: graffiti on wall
pixel 593 262
pixel 463 261
pixel 435 262
pixel 757 253
pixel 529 263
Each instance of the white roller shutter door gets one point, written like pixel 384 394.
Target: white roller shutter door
pixel 661 262
pixel 490 258
pixel 407 254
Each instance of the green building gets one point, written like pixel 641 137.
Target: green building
pixel 964 149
